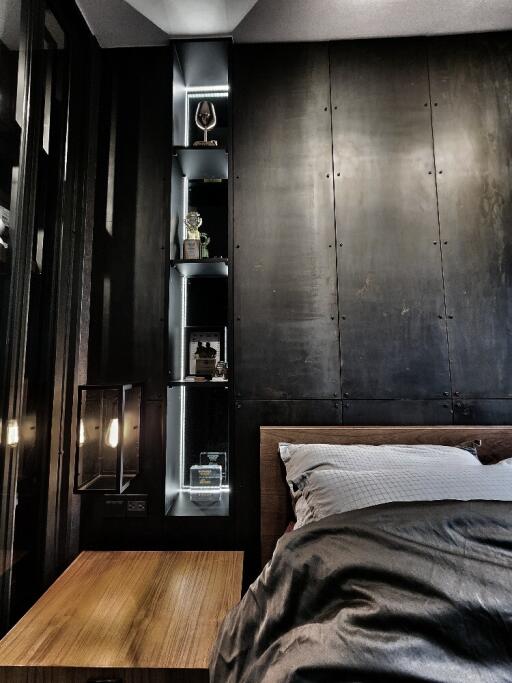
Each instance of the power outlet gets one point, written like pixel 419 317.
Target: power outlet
pixel 136 508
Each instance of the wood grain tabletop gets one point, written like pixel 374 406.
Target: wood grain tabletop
pixel 129 609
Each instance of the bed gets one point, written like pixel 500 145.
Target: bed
pixel 408 590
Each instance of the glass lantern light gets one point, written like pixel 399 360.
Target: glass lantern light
pixel 107 437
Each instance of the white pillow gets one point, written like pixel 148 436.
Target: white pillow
pixel 302 458
pixel 299 459
pixel 329 492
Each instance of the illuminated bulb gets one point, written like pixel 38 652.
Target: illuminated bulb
pixel 81 437
pixel 113 433
pixel 13 433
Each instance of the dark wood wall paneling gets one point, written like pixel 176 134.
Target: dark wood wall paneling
pixel 47 365
pixel 416 266
pixel 128 337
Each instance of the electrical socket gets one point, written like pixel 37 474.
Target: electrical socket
pixel 136 508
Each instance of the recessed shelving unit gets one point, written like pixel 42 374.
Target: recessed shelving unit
pixel 198 412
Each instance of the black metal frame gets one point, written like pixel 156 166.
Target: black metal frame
pixel 120 487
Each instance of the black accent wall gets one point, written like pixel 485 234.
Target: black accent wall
pixel 373 236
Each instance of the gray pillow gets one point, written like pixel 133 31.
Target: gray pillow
pixel 329 492
pixel 300 459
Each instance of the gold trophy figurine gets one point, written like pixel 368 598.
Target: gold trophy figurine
pixel 192 245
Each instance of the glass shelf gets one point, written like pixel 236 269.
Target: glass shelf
pixel 210 384
pixel 184 507
pixel 211 267
pixel 203 162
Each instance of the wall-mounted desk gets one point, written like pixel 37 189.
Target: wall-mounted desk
pixel 125 617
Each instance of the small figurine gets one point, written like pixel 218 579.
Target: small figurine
pixel 205 241
pixel 192 245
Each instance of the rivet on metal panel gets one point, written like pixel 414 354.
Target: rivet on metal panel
pixel 451 317
pixel 341 244
pixel 238 405
pixel 332 317
pixel 445 242
pixel 335 394
pixel 458 404
pixel 338 174
pixel 430 172
pixel 446 393
pixel 330 246
pixel 325 108
pixel 440 317
pixel 327 175
pixel 343 317
pixel 434 242
pixel 238 246
pixel 335 107
pixel 238 317
pixel 440 172
pixel 345 393
pixel 435 104
pixel 456 393
pixel 426 104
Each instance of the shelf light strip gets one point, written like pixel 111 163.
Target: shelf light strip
pixel 183 347
pixel 207 93
pixel 207 88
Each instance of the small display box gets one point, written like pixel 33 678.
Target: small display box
pixel 205 483
pixel 108 437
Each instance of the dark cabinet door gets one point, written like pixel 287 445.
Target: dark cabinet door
pixel 286 333
pixel 392 326
pixel 472 113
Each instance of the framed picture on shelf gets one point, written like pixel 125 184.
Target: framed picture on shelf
pixel 206 347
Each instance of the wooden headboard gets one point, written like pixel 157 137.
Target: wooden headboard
pixel 275 506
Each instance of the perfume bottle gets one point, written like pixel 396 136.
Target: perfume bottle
pixel 205 483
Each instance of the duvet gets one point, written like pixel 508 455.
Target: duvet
pixel 397 592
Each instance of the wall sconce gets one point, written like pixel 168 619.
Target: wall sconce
pixel 108 437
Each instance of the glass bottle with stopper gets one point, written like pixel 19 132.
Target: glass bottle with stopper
pixel 206 119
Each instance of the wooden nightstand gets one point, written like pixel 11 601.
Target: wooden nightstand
pixel 125 617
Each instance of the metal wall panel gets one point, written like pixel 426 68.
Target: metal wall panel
pixel 483 412
pixel 393 332
pixel 471 79
pixel 397 412
pixel 286 333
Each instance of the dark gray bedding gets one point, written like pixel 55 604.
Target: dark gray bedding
pixel 399 592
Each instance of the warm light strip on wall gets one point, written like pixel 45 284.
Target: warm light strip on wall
pixel 13 433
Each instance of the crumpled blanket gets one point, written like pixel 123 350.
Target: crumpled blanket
pixel 397 592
